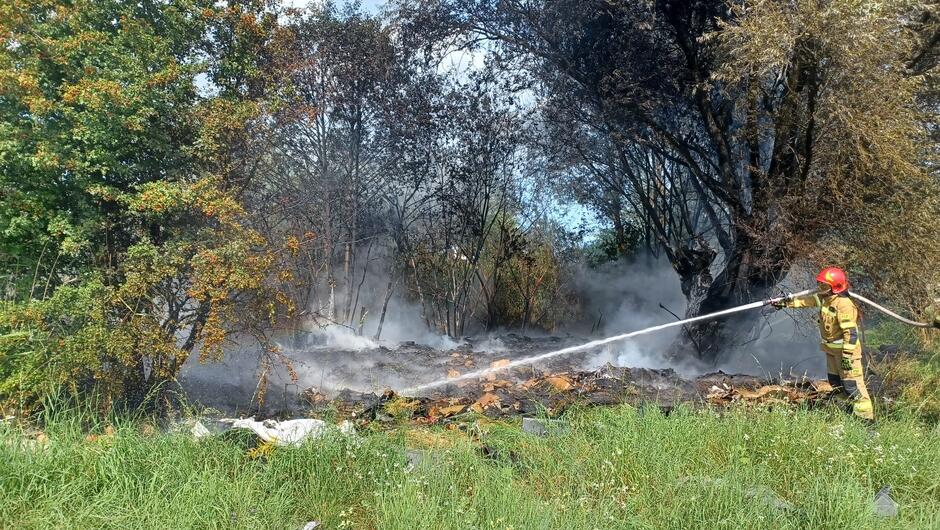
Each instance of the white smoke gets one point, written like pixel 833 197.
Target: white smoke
pixel 783 343
pixel 343 338
pixel 628 296
pixel 490 345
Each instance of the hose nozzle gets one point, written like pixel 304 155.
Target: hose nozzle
pixel 790 296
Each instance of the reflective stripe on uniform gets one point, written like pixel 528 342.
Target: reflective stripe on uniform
pixel 840 344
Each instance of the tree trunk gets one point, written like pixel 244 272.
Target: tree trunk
pixel 388 296
pixel 749 276
pixel 620 234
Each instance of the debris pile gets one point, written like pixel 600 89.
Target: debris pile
pixel 351 383
pixel 513 393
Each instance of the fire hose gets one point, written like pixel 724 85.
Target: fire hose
pixel 860 298
pixel 892 314
pixel 615 338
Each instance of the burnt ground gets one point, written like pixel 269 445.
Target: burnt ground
pixel 363 384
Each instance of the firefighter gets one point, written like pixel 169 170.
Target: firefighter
pixel 838 327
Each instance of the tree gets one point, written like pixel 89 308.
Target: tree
pixel 472 189
pixel 325 170
pixel 745 137
pixel 112 200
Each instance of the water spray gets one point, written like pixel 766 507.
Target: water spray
pixel 596 343
pixel 615 338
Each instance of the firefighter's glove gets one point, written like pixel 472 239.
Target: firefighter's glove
pixel 781 303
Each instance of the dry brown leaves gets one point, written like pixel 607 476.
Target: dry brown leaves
pixel 496 365
pixel 560 383
pixel 502 363
pixel 315 397
pixel 446 411
pixel 767 393
pixel 490 386
pixel 486 401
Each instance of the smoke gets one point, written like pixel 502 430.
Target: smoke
pixel 330 356
pixel 627 296
pixel 783 343
pixel 614 299
pixel 231 384
pixel 635 295
pixel 631 354
pixel 340 337
pixel 404 323
pixel 490 345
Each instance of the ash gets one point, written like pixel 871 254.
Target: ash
pixel 362 383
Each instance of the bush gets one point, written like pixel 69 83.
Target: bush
pixel 53 343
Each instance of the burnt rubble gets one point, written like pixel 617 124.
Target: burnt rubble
pixel 529 392
pixel 362 385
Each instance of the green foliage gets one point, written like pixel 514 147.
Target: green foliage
pixel 911 376
pixel 916 378
pixel 122 246
pixel 870 193
pixel 96 99
pixel 531 293
pixel 887 331
pixel 606 247
pixel 53 343
pixel 125 337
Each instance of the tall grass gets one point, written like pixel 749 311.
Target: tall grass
pixel 616 468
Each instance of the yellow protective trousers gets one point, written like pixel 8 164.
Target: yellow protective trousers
pixel 847 376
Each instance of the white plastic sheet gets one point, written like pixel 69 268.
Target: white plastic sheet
pixel 289 432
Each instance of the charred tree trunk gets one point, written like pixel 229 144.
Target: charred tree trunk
pixel 749 274
pixel 388 296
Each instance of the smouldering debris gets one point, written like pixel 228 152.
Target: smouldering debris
pixel 523 393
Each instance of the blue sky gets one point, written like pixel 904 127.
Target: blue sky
pixel 371 6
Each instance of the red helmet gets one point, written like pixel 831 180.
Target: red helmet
pixel 835 278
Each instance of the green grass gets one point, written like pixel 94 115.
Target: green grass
pixel 616 468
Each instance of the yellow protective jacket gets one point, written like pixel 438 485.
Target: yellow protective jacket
pixel 838 320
